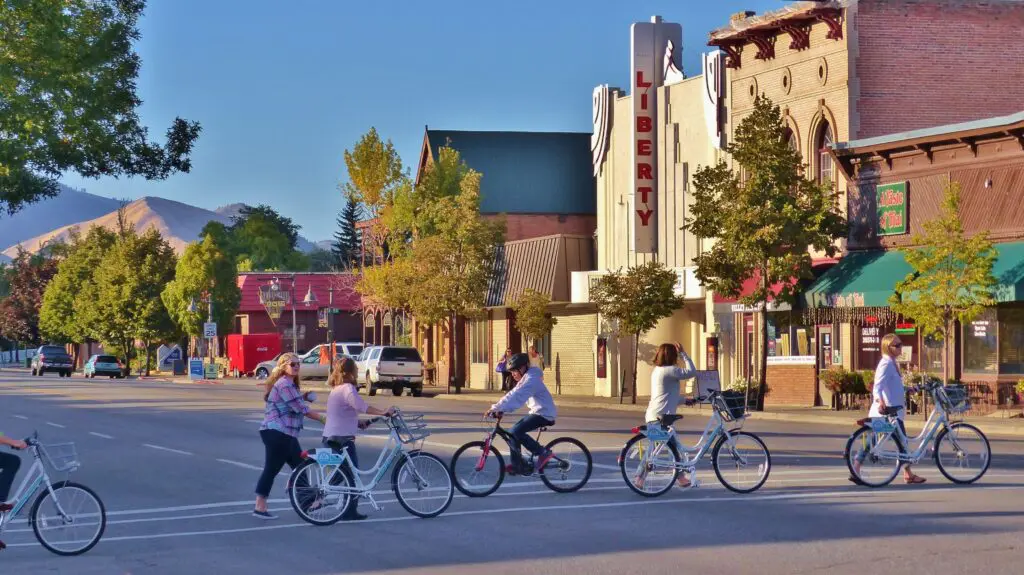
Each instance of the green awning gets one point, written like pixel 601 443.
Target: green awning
pixel 867 279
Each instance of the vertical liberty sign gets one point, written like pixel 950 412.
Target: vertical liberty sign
pixel 649 41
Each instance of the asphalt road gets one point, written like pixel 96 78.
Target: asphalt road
pixel 176 466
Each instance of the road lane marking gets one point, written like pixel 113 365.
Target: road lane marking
pixel 52 424
pixel 178 451
pixel 21 417
pixel 103 435
pixel 546 508
pixel 240 464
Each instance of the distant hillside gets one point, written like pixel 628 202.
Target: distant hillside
pixel 178 223
pixel 70 207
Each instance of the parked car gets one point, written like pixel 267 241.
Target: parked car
pixel 52 358
pixel 264 368
pixel 394 368
pixel 311 366
pixel 351 349
pixel 103 365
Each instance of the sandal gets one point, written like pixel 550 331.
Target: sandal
pixel 914 480
pixel 683 483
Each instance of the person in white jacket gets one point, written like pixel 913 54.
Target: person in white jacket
pixel 666 378
pixel 530 390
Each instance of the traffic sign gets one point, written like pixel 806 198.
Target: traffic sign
pixel 210 329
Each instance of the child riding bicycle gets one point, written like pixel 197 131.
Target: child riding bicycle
pixel 529 389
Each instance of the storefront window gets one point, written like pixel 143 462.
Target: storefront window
pixel 787 338
pixel 869 342
pixel 980 344
pixel 1011 341
pixel 478 344
pixel 931 356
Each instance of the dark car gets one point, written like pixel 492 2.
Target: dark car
pixel 53 359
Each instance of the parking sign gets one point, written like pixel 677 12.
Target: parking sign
pixel 210 329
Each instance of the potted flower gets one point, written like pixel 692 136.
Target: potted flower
pixel 1020 390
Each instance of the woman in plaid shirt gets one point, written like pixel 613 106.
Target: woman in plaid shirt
pixel 282 424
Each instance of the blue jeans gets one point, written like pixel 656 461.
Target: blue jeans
pixel 9 464
pixel 520 433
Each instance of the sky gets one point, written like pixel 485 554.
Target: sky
pixel 281 91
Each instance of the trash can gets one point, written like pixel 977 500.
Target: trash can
pixel 178 367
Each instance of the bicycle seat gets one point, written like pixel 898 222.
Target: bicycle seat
pixel 338 442
pixel 669 419
pixel 892 410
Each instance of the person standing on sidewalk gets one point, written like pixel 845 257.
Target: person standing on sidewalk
pixel 282 423
pixel 502 368
pixel 665 383
pixel 536 359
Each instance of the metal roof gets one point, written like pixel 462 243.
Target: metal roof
pixel 542 264
pixel 936 131
pixel 524 172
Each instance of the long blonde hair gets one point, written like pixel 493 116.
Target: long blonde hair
pixel 887 341
pixel 278 373
pixel 342 366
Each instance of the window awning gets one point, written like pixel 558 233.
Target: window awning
pixel 726 304
pixel 868 279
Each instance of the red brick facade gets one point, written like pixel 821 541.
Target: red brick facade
pixel 791 385
pixel 527 226
pixel 925 63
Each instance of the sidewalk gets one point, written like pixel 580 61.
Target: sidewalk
pixel 995 424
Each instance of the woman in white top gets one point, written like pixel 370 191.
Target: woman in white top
pixel 888 392
pixel 665 383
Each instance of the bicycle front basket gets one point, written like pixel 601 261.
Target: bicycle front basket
pixel 410 428
pixel 732 405
pixel 60 456
pixel 954 398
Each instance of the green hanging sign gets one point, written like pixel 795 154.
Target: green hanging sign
pixel 891 200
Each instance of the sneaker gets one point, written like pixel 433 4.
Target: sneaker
pixel 263 514
pixel 543 459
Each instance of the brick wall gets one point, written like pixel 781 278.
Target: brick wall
pixel 570 369
pixel 791 385
pixel 924 63
pixel 525 226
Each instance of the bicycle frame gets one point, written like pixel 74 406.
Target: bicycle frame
pixel 937 419
pixel 505 435
pixel 330 463
pixel 692 455
pixel 34 479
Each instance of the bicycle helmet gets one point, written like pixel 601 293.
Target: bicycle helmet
pixel 518 361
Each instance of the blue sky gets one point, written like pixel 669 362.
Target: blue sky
pixel 281 91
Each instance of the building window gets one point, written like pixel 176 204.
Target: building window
pixel 789 136
pixel 478 341
pixel 823 141
pixel 1011 341
pixel 980 344
pixel 931 356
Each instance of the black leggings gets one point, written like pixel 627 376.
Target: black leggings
pixel 281 448
pixel 9 465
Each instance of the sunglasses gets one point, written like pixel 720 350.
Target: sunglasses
pixel 295 364
pixel 897 344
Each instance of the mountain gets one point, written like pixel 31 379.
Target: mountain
pixel 325 244
pixel 178 223
pixel 69 207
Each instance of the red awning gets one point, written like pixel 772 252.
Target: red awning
pixel 818 266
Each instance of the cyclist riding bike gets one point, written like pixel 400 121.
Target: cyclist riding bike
pixel 9 464
pixel 529 389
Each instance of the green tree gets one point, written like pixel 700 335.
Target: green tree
pixel 952 279
pixel 636 300
pixel 532 317
pixel 61 317
pixel 259 239
pixel 204 269
pixel 375 176
pixel 345 247
pixel 266 214
pixel 128 283
pixel 764 224
pixel 321 260
pixel 28 277
pixel 68 75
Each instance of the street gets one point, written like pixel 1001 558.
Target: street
pixel 176 465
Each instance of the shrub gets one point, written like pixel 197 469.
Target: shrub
pixel 835 379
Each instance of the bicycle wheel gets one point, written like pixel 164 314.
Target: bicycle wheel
pixel 70 509
pixel 875 454
pixel 308 494
pixel 745 464
pixel 423 484
pixel 962 453
pixel 476 473
pixel 649 467
pixel 570 466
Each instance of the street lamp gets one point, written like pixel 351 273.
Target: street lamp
pixel 275 285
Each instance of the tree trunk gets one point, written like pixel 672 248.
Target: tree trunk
pixel 762 384
pixel 636 359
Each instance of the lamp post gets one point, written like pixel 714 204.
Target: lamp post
pixel 207 298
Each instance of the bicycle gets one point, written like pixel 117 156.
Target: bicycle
pixel 52 510
pixel 870 444
pixel 325 483
pixel 470 464
pixel 655 448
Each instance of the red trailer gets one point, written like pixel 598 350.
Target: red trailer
pixel 246 351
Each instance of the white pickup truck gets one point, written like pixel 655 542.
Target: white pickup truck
pixel 394 368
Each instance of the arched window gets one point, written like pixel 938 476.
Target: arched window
pixel 823 141
pixel 790 138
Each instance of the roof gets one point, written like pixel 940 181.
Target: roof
pixel 948 131
pixel 542 264
pixel 523 172
pixel 740 27
pixel 345 296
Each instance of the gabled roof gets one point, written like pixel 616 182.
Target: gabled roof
pixel 542 264
pixel 523 172
pixel 345 295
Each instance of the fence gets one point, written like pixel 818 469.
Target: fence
pixel 8 357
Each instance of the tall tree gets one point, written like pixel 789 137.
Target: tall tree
pixel 204 269
pixel 268 216
pixel 952 278
pixel 62 317
pixel 259 239
pixel 321 260
pixel 764 224
pixel 636 300
pixel 19 311
pixel 375 176
pixel 347 239
pixel 532 317
pixel 127 304
pixel 68 74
